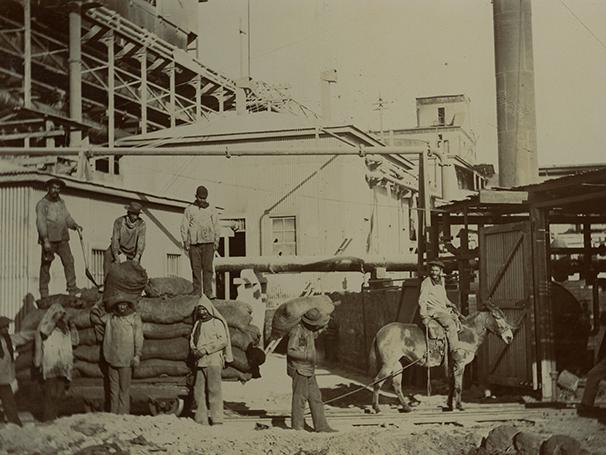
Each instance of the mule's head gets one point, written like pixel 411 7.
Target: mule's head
pixel 497 323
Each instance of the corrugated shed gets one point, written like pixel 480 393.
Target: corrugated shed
pixel 15 226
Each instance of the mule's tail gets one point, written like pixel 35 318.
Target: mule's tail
pixel 372 358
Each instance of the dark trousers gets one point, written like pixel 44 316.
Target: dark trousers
pixel 449 323
pixel 201 257
pixel 54 392
pixel 65 254
pixel 595 375
pixel 119 389
pixel 208 395
pixel 9 404
pixel 305 389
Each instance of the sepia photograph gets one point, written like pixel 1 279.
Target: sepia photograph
pixel 302 227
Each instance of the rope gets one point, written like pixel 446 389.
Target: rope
pixel 371 384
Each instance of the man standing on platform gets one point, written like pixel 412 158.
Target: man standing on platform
pixel 200 234
pixel 53 221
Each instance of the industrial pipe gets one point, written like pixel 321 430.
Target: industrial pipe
pixel 210 151
pixel 276 264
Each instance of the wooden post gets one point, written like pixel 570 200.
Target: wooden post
pixel 544 321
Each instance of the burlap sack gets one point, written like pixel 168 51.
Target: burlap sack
pixel 170 287
pixel 289 314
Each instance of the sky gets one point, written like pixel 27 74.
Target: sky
pixel 403 49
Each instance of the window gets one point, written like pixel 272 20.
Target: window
pixel 284 236
pixel 172 264
pixel 441 116
pixel 96 265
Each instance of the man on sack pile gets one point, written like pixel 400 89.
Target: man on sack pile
pixel 200 234
pixel 128 238
pixel 53 221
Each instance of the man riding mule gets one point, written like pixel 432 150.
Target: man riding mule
pixel 436 309
pixel 397 345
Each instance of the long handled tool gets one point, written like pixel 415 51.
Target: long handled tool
pixel 86 270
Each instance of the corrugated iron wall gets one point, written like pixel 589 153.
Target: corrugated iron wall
pixel 15 227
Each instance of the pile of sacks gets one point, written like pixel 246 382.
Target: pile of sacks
pixel 167 325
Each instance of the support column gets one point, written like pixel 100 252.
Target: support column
pixel 27 54
pixel 544 318
pixel 143 89
pixel 75 71
pixel 198 85
pixel 173 121
pixel 221 100
pixel 588 273
pixel 111 109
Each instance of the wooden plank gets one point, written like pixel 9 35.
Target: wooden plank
pixel 501 273
pixel 503 197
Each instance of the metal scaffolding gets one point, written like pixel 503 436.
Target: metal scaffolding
pixel 86 73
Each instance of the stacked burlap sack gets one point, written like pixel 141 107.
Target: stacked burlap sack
pixel 289 314
pixel 167 325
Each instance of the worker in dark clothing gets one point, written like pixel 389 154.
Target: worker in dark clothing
pixel 53 221
pixel 8 381
pixel 587 406
pixel 200 234
pixel 300 366
pixel 128 238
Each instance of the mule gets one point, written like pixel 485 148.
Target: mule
pixel 398 342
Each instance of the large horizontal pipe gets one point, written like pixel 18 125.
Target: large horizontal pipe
pixel 276 264
pixel 209 151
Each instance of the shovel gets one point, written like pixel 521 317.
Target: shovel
pixel 86 270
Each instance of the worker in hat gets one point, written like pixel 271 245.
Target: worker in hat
pixel 301 366
pixel 200 234
pixel 53 221
pixel 128 238
pixel 8 381
pixel 435 306
pixel 210 346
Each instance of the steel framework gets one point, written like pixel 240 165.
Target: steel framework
pixel 89 73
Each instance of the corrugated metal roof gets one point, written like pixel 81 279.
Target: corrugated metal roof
pixel 14 173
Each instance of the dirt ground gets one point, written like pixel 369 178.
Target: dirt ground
pixel 101 433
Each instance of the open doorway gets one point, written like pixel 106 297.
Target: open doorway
pixel 232 244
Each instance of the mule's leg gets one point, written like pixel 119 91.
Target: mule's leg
pixel 397 385
pixel 376 388
pixel 449 406
pixel 458 371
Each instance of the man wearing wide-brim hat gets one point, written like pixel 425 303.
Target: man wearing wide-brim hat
pixel 128 238
pixel 301 367
pixel 53 222
pixel 435 306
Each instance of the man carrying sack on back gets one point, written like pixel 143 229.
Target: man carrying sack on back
pixel 301 367
pixel 53 221
pixel 211 348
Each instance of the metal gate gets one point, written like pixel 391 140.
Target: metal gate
pixel 506 278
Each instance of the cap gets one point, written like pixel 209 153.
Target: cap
pixel 436 263
pixel 134 207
